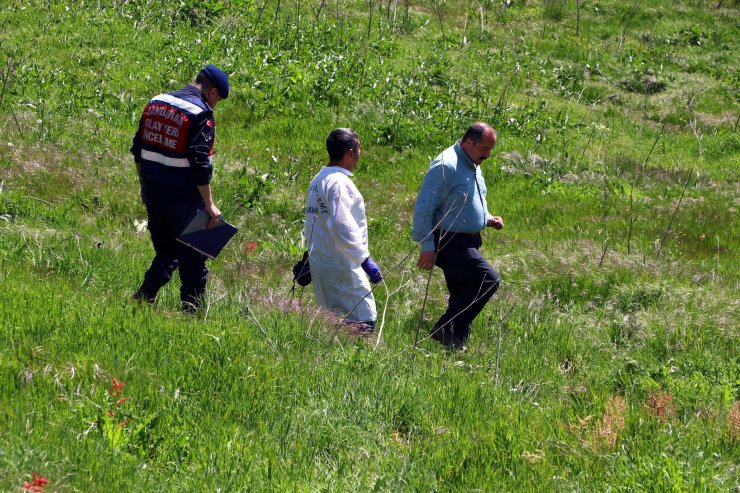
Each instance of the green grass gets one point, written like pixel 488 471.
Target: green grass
pixel 618 367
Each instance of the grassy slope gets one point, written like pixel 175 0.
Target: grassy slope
pixel 252 394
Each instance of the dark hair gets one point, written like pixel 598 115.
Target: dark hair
pixel 206 84
pixel 475 132
pixel 339 141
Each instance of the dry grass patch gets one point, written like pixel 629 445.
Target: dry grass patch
pixel 733 421
pixel 660 405
pixel 604 435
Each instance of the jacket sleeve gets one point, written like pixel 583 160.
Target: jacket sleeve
pixel 200 148
pixel 348 236
pixel 136 144
pixel 430 199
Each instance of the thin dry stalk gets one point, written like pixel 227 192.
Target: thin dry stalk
pixel 262 9
pixel 317 13
pixel 675 211
pixel 250 314
pixel 603 251
pixel 605 215
pixel 593 131
pixel 385 308
pixel 7 78
pixel 421 315
pixel 438 8
pixel 406 15
pixel 298 28
pixel 644 163
pixel 501 318
pixel 632 221
pixel 697 136
pixel 626 21
pixel 655 142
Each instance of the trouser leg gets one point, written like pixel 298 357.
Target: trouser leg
pixel 456 289
pixel 169 211
pixel 159 274
pixel 472 281
pixel 193 276
pixel 163 239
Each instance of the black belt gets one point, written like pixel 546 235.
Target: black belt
pixel 446 239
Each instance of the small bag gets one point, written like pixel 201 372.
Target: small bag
pixel 302 271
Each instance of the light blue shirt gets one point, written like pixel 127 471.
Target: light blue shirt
pixel 452 198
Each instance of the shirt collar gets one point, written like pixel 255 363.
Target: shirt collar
pixel 339 168
pixel 464 157
pixel 198 93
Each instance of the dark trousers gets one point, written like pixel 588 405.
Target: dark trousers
pixel 471 280
pixel 169 211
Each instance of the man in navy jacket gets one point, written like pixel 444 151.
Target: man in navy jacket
pixel 172 150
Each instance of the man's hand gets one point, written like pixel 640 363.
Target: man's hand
pixel 215 214
pixel 426 260
pixel 209 207
pixel 495 222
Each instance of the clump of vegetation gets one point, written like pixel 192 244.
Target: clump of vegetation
pixel 643 84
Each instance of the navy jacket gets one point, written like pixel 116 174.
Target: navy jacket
pixel 174 143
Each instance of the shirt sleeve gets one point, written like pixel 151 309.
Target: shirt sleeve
pixel 200 148
pixel 348 236
pixel 430 199
pixel 483 190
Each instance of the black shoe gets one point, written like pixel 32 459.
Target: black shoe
pixel 440 335
pixel 363 328
pixel 189 308
pixel 366 327
pixel 141 297
pixel 458 344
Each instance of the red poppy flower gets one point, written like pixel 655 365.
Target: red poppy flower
pixel 249 247
pixel 37 484
pixel 116 387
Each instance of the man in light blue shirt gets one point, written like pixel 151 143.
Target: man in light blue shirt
pixel 449 214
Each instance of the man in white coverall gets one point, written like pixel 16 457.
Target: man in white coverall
pixel 336 234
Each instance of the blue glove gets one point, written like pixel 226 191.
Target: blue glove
pixel 372 270
pixel 302 271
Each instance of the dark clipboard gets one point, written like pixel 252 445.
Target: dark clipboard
pixel 209 242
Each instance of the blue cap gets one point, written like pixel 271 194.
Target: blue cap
pixel 219 78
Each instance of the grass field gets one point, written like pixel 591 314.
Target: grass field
pixel 616 171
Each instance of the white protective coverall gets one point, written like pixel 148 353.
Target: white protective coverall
pixel 336 236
